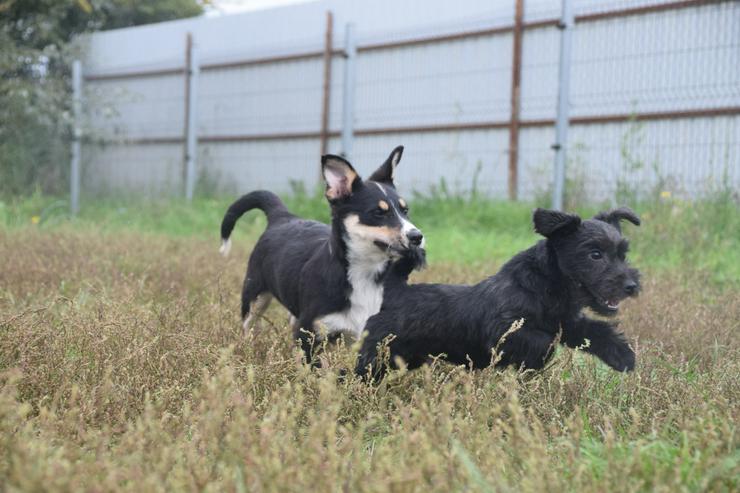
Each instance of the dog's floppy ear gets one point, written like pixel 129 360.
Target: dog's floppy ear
pixel 385 173
pixel 551 223
pixel 615 215
pixel 339 175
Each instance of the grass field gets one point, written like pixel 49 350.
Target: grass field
pixel 122 366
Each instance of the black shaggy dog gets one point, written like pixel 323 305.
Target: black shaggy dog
pixel 327 275
pixel 579 264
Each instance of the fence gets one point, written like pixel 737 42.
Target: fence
pixel 654 103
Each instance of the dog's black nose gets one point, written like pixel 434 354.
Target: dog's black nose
pixel 630 287
pixel 415 237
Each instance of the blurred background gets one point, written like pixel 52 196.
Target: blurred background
pixel 183 97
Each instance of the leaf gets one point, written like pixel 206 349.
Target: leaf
pixel 6 5
pixel 85 5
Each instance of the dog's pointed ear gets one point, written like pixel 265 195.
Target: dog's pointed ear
pixel 615 215
pixel 551 223
pixel 339 175
pixel 387 170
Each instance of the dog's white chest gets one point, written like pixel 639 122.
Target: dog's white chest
pixel 365 301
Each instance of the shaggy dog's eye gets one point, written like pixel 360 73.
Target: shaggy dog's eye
pixel 405 210
pixel 380 212
pixel 595 255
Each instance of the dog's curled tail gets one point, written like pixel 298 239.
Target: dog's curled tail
pixel 267 202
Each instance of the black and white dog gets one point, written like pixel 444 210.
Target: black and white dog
pixel 327 275
pixel 579 264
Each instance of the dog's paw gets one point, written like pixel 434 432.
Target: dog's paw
pixel 619 355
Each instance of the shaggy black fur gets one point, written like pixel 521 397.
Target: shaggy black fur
pixel 579 264
pixel 316 270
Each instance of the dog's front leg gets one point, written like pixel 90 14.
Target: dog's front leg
pixel 377 351
pixel 526 349
pixel 305 333
pixel 369 366
pixel 604 342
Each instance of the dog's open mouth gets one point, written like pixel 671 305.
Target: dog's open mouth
pixel 611 305
pixel 387 247
pixel 393 251
pixel 414 253
pixel 607 306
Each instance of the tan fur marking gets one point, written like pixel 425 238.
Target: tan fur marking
pixel 383 205
pixel 402 203
pixel 382 233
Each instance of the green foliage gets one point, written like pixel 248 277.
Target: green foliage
pixel 125 13
pixel 35 54
pixel 696 235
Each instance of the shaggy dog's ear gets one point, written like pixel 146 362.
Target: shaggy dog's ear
pixel 385 173
pixel 551 223
pixel 340 177
pixel 615 215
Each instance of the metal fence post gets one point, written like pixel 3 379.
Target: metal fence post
pixel 348 92
pixel 191 116
pixel 326 99
pixel 561 125
pixel 516 83
pixel 74 175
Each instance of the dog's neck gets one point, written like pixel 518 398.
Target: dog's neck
pixel 365 266
pixel 558 284
pixel 361 261
pixel 337 245
pixel 365 262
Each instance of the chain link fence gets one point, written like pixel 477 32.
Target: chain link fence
pixel 654 105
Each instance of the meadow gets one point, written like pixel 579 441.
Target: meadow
pixel 123 368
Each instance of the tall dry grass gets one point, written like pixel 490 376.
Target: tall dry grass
pixel 122 369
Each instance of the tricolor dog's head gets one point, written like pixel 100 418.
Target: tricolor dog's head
pixel 373 217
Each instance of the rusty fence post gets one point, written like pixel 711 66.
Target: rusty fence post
pixel 348 92
pixel 327 84
pixel 516 79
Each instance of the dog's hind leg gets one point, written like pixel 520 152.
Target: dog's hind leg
pixel 255 301
pixel 256 310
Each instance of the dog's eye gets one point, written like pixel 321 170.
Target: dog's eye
pixel 380 212
pixel 405 210
pixel 595 255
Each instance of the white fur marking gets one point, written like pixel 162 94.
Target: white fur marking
pixel 381 188
pixel 394 163
pixel 407 226
pixel 225 247
pixel 366 262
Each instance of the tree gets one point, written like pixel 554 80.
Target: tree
pixel 35 54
